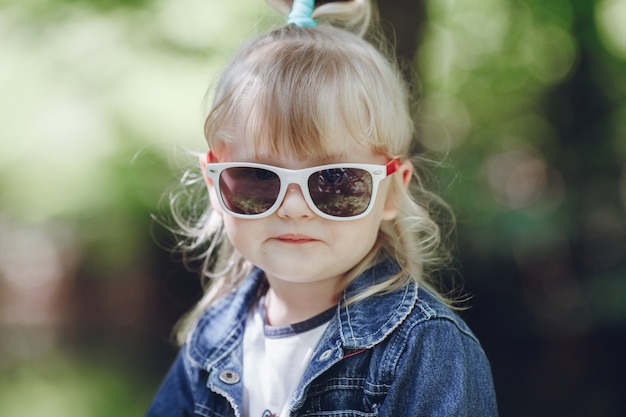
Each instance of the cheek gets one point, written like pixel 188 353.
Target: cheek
pixel 242 233
pixel 233 228
pixel 358 235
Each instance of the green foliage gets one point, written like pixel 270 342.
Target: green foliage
pixel 526 101
pixel 64 386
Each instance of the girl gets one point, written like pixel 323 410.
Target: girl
pixel 320 303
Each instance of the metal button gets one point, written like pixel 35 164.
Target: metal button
pixel 326 354
pixel 229 377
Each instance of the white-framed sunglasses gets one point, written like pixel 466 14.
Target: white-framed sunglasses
pixel 346 191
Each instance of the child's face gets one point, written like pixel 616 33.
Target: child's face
pixel 294 244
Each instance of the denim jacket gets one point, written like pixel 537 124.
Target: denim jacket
pixel 398 354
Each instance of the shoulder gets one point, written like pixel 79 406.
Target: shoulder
pixel 434 357
pixel 434 339
pixel 434 336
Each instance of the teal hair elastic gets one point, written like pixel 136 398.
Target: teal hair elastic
pixel 301 13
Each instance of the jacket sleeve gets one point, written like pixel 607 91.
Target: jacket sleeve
pixel 174 397
pixel 443 372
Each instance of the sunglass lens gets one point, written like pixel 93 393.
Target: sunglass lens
pixel 247 190
pixel 341 192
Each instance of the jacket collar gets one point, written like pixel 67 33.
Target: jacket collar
pixel 361 324
pixel 367 322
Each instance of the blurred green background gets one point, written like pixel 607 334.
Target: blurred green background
pixel 525 100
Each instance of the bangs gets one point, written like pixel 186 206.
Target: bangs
pixel 294 110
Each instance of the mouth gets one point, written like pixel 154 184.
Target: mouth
pixel 293 238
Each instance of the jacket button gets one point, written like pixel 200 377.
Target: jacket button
pixel 229 377
pixel 326 354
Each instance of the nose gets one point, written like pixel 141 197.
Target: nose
pixel 294 205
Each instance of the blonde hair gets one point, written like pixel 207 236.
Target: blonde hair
pixel 290 92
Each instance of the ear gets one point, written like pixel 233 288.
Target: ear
pixel 404 173
pixel 203 159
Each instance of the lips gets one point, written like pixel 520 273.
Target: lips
pixel 295 238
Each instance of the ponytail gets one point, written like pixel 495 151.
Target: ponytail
pixel 352 15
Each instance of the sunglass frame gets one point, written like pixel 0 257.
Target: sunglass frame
pixel 300 177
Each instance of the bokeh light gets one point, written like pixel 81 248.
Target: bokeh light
pixel 611 15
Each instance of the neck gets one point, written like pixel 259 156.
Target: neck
pixel 288 302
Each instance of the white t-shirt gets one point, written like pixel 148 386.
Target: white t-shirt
pixel 274 360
